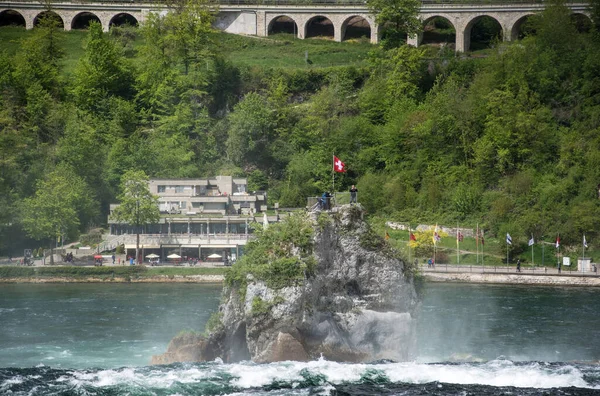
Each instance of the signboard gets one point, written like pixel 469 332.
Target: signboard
pixel 566 261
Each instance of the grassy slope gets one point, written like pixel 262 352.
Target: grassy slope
pixel 279 51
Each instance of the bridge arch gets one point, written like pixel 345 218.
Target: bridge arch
pixel 439 29
pixel 355 26
pixel 12 18
pixel 319 26
pixel 83 20
pixel 48 14
pixel 123 19
pixel 282 24
pixel 482 29
pixel 520 28
pixel 582 22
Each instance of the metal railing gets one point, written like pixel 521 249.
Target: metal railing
pixel 305 2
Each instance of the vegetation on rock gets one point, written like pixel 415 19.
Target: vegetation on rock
pixel 281 255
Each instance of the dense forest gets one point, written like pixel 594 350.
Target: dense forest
pixel 510 140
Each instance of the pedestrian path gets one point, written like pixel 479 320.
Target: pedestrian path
pixel 505 270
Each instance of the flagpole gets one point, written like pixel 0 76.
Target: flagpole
pixel 457 245
pixel 542 242
pixel 507 253
pixel 435 246
pixel 532 261
pixel 583 247
pixel 482 246
pixel 333 175
pixel 558 255
pixel 477 245
pixel 409 262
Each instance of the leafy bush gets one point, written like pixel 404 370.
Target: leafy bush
pixel 214 323
pixel 94 237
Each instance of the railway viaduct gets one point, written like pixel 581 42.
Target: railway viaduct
pixel 304 19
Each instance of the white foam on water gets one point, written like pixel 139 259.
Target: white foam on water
pixel 494 373
pixel 131 376
pixel 249 375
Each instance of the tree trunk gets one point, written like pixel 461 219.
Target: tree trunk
pixel 137 247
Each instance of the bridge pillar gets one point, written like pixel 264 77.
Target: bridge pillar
pixel 463 40
pixel 338 34
pixel 375 29
pixel 415 40
pixel 261 24
pixel 29 16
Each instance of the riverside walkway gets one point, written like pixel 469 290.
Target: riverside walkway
pixel 538 276
pixel 511 269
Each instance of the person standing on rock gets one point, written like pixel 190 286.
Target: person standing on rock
pixel 353 191
pixel 518 265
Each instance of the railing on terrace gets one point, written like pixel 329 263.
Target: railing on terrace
pixel 310 2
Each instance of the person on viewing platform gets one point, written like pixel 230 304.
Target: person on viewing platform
pixel 353 191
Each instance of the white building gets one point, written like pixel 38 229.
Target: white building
pixel 199 217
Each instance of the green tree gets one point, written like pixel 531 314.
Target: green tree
pixel 250 131
pixel 188 28
pixel 101 73
pixel 60 203
pixel 397 17
pixel 138 206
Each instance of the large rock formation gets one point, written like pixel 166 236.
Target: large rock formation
pixel 354 304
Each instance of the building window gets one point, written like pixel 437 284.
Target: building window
pixel 178 189
pixel 161 189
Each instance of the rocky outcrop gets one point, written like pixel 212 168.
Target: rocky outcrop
pixel 355 306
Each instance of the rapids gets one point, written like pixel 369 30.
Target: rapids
pixel 473 340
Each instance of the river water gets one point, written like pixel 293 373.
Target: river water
pixel 96 339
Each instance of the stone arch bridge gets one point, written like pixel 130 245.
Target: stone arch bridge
pixel 340 20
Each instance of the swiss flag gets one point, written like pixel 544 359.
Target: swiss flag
pixel 338 166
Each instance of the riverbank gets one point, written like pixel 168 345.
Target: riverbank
pixel 489 275
pixel 513 278
pixel 110 274
pixel 120 279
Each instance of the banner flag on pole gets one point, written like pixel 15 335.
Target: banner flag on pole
pixel 508 239
pixel 584 241
pixel 436 236
pixel 531 241
pixel 557 242
pixel 338 166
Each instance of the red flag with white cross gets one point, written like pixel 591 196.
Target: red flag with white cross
pixel 338 166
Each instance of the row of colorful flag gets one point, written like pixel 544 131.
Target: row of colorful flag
pixel 479 236
pixel 532 241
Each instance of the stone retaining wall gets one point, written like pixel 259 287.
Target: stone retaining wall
pixel 512 279
pixel 117 279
